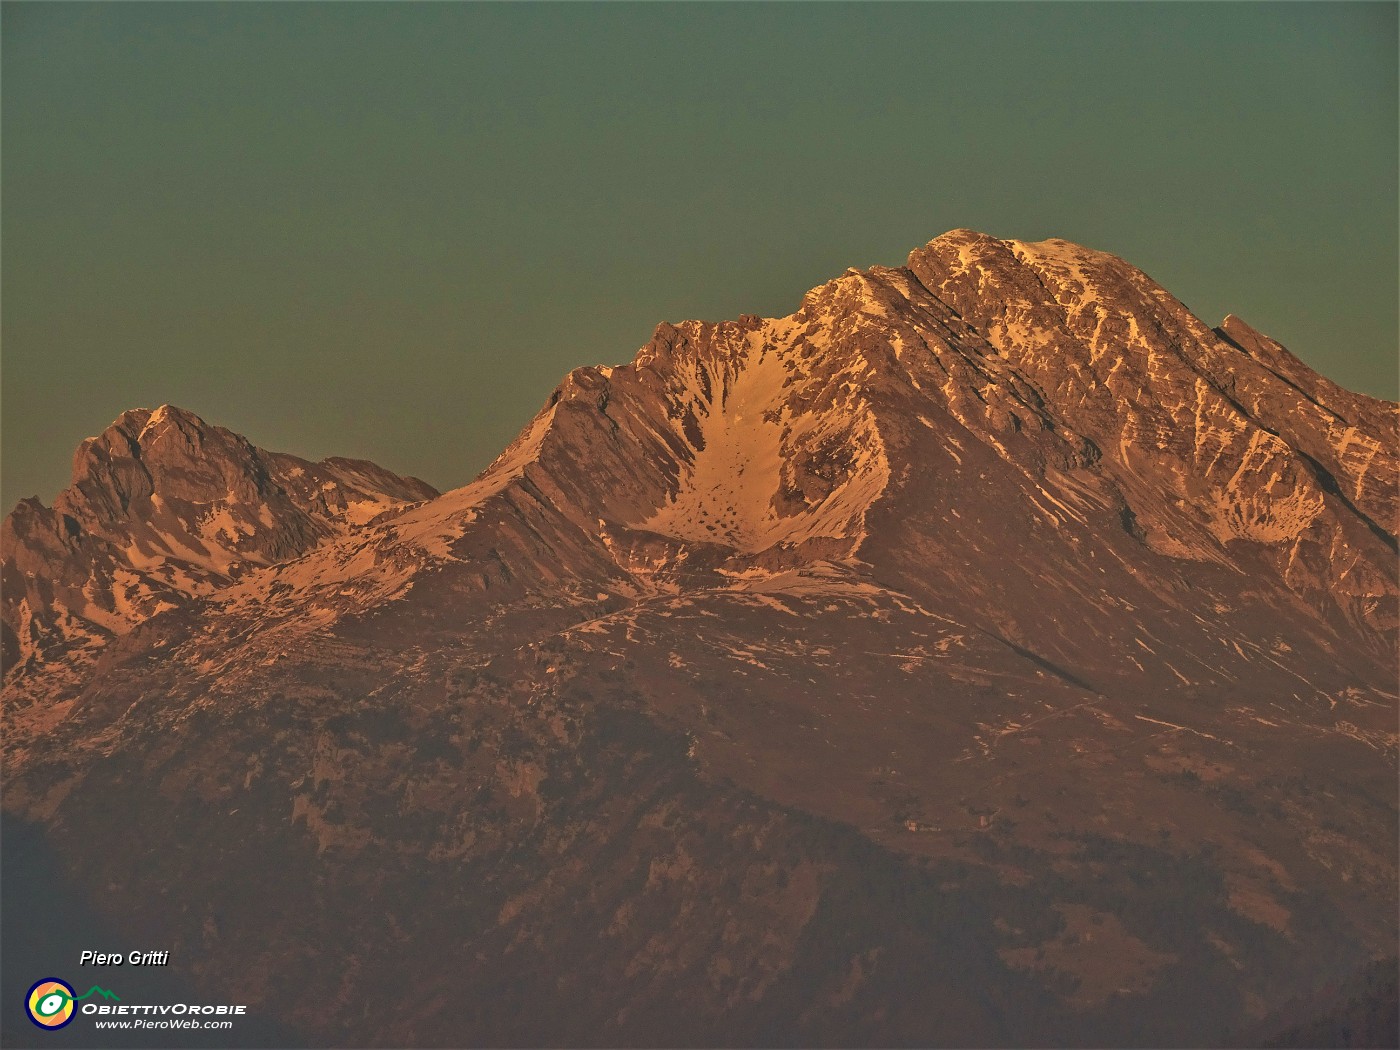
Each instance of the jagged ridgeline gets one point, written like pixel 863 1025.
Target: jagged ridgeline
pixel 989 652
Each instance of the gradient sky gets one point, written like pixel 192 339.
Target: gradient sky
pixel 388 230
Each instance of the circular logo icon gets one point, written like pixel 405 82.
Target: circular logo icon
pixel 50 1003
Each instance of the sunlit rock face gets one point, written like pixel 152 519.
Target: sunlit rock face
pixel 989 652
pixel 163 508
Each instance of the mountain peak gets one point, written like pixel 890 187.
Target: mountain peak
pixel 994 608
pixel 164 411
pixel 1053 366
pixel 140 424
pixel 1043 370
pixel 164 507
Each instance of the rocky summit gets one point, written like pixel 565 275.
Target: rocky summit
pixel 988 653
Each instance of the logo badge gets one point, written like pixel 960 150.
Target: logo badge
pixel 50 1003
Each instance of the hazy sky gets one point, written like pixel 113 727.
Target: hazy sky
pixel 389 230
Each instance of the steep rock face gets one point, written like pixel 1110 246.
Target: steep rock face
pixel 162 508
pixel 988 652
pixel 1205 436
